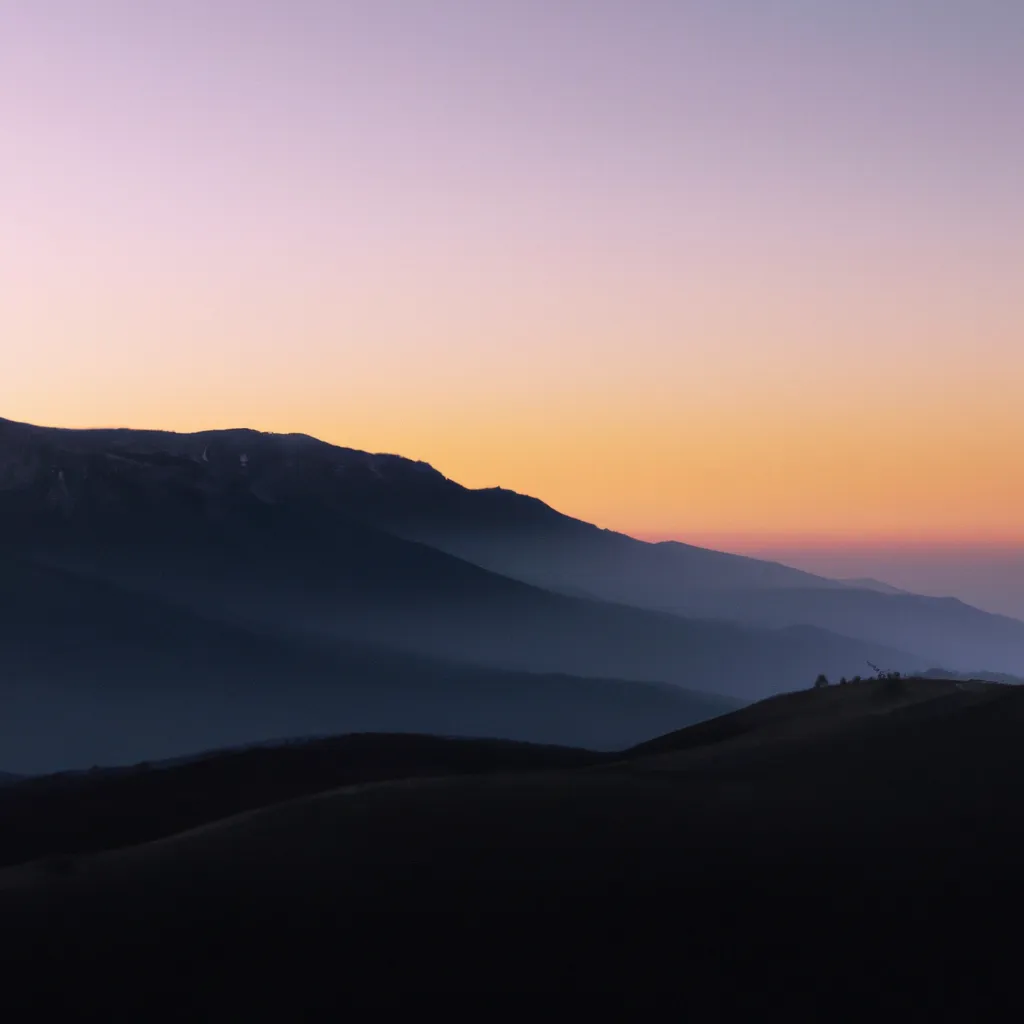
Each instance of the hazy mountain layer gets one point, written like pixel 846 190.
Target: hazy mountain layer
pixel 255 530
pixel 529 541
pixel 518 537
pixel 96 675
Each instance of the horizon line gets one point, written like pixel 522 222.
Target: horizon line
pixel 828 541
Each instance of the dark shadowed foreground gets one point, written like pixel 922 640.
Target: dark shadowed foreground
pixel 858 843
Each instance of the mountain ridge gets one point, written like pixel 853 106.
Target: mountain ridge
pixel 277 533
pixel 520 537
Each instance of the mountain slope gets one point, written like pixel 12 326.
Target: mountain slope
pixel 256 530
pixel 402 496
pixel 93 674
pixel 945 629
pixel 531 542
pixel 522 538
pixel 869 583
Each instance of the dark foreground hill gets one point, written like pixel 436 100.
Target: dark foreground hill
pixel 60 817
pixel 827 847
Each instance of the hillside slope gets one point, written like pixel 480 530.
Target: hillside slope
pixel 216 532
pixel 71 813
pixel 824 855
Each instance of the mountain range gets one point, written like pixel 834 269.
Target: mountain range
pixel 229 586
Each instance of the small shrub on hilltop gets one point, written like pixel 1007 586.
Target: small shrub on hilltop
pixel 821 681
pixel 893 683
pixel 885 676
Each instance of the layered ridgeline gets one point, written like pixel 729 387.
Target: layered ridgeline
pixel 266 572
pixel 93 673
pixel 506 533
pixel 522 537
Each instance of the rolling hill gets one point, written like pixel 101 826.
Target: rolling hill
pixel 67 814
pixel 801 845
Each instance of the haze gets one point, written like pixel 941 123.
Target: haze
pixel 679 269
pixel 563 527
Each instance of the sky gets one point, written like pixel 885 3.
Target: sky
pixel 743 272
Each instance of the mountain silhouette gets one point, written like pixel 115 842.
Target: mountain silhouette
pixel 274 534
pixel 513 535
pixel 509 534
pixel 522 538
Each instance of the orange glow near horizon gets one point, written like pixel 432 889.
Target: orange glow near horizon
pixel 720 271
pixel 752 489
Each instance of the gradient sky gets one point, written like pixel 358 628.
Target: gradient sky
pixel 710 270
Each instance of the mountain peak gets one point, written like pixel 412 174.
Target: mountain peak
pixel 28 453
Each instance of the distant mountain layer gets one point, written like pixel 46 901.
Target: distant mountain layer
pixel 522 538
pixel 94 674
pixel 275 534
pixel 530 541
pixel 868 583
pixel 507 533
